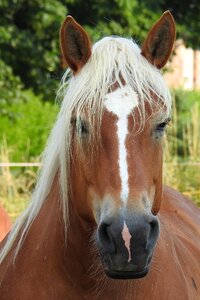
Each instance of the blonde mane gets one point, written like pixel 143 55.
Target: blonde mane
pixel 112 59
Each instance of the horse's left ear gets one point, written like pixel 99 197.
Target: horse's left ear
pixel 160 40
pixel 75 44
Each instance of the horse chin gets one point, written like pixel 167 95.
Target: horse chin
pixel 118 268
pixel 126 274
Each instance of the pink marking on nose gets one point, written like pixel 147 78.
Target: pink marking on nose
pixel 127 240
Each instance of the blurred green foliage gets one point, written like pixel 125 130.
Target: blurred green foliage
pixel 185 100
pixel 29 42
pixel 27 126
pixel 187 115
pixel 114 17
pixel 10 88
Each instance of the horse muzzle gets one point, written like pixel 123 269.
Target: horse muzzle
pixel 126 243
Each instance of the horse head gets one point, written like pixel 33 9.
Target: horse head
pixel 117 124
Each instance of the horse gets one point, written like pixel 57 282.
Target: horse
pixel 101 224
pixel 5 223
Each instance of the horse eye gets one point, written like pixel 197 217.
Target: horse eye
pixel 80 126
pixel 161 126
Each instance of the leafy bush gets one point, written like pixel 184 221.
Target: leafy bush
pixel 27 130
pixel 11 88
pixel 29 42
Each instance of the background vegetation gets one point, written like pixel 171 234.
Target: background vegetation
pixel 31 68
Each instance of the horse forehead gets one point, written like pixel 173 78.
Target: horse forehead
pixel 121 101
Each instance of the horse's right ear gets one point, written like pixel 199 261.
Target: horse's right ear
pixel 75 44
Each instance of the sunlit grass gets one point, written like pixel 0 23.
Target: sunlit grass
pixel 183 173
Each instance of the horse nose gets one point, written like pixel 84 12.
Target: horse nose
pixel 128 240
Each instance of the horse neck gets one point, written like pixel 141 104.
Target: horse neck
pixel 47 239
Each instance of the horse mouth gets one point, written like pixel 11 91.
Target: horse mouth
pixel 115 274
pixel 116 267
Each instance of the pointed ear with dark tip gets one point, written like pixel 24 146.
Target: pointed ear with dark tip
pixel 75 44
pixel 160 40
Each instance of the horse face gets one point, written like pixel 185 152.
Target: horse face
pixel 120 186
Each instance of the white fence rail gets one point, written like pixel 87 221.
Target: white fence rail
pixel 37 164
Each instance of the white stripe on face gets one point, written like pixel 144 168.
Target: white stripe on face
pixel 121 102
pixel 126 236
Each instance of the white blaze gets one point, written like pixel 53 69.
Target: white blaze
pixel 126 236
pixel 121 102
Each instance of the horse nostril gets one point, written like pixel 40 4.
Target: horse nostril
pixel 153 224
pixel 105 237
pixel 154 228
